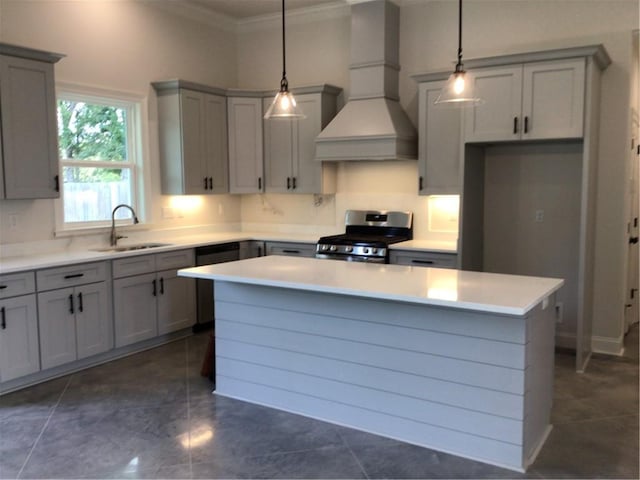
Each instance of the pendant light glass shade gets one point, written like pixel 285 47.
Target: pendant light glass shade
pixel 284 105
pixel 459 89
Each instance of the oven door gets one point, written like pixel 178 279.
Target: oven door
pixel 351 258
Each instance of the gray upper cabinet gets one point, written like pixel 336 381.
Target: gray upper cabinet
pixel 246 170
pixel 193 138
pixel 532 101
pixel 440 142
pixel 28 124
pixel 289 145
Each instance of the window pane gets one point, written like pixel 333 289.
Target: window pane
pixel 90 194
pixel 92 132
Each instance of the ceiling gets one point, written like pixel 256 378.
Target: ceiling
pixel 242 9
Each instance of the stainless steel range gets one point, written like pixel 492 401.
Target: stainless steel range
pixel 368 236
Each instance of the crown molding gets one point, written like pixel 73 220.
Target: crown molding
pixel 299 16
pixel 196 13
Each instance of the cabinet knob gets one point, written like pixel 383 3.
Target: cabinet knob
pixel 515 125
pixel 56 181
pixel 420 183
pixel 3 314
pixel 155 288
pixel 294 183
pixel 210 183
pixel 526 124
pixel 259 183
pixel 71 310
pixel 288 183
pixel 80 303
pixel 205 183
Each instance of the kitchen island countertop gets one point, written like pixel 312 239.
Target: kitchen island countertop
pixel 488 292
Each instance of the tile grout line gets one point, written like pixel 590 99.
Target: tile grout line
pixel 355 457
pixel 44 427
pixel 186 373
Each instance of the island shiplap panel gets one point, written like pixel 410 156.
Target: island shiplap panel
pixel 441 392
pixel 404 429
pixel 446 368
pixel 409 372
pixel 469 348
pixel 376 400
pixel 498 327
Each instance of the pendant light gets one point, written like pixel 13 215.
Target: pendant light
pixel 284 106
pixel 459 89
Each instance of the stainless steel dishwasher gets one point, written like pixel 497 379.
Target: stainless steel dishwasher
pixel 226 252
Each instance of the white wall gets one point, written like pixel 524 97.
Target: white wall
pixel 121 46
pixel 428 42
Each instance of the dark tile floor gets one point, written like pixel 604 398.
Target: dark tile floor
pixel 151 415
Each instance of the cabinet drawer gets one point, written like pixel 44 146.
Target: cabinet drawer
pixel 125 267
pixel 423 259
pixel 177 259
pixel 291 249
pixel 17 284
pixel 62 277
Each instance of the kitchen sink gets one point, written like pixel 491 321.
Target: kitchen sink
pixel 128 248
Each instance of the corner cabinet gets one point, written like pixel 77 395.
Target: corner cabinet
pixel 532 101
pixel 289 145
pixel 246 169
pixel 440 140
pixel 29 145
pixel 193 138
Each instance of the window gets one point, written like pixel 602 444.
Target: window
pixel 98 141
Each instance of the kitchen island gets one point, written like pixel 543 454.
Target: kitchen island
pixel 456 361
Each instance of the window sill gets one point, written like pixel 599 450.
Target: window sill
pixel 87 231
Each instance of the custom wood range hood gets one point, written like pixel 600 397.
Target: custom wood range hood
pixel 372 125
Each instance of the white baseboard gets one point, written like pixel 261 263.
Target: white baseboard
pixel 608 345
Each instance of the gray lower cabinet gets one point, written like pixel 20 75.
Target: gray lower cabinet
pixel 251 249
pixel 75 323
pixel 291 249
pixel 150 299
pixel 74 313
pixel 28 124
pixel 423 259
pixel 19 354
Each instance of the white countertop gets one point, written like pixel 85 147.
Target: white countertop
pixel 71 256
pixel 487 292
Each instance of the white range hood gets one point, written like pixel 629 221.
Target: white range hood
pixel 372 125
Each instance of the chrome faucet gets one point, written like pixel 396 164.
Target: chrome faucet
pixel 114 238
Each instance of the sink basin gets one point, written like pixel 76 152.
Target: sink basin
pixel 128 248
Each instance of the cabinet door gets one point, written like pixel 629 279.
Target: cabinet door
pixel 194 168
pixel 553 99
pixel 215 137
pixel 19 354
pixel 307 171
pixel 135 309
pixel 176 302
pixel 278 153
pixel 245 145
pixel 57 327
pixel 499 117
pixel 93 320
pixel 439 154
pixel 29 132
pixel 423 259
pixel 291 249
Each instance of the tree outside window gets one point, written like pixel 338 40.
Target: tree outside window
pixel 97 158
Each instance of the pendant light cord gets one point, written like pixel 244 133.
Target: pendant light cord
pixel 459 64
pixel 284 84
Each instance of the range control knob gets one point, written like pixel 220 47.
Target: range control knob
pixel 349 249
pixel 323 247
pixel 365 250
pixel 374 251
pixel 332 248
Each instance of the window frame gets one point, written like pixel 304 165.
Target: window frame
pixel 136 108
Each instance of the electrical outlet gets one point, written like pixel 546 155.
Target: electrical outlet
pixel 539 216
pixel 559 312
